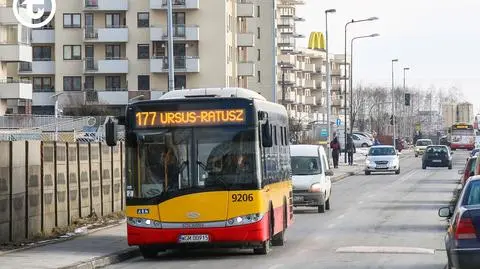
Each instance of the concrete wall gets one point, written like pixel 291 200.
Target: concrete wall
pixel 44 185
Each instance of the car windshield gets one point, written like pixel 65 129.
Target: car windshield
pixel 174 160
pixel 437 150
pixel 424 143
pixel 472 194
pixel 381 151
pixel 305 165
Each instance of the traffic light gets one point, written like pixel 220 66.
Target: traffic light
pixel 407 99
pixel 391 120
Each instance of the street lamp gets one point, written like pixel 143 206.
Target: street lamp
pixel 136 98
pixel 171 62
pixel 351 77
pixel 345 80
pixel 56 113
pixel 393 105
pixel 328 73
pixel 404 127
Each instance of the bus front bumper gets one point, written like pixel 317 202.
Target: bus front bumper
pixel 242 235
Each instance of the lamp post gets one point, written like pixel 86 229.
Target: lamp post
pixel 345 80
pixel 328 74
pixel 405 129
pixel 171 62
pixel 393 104
pixel 57 109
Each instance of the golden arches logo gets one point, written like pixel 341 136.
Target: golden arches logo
pixel 316 41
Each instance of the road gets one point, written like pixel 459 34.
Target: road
pixel 378 221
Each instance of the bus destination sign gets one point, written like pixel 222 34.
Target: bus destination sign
pixel 462 126
pixel 150 119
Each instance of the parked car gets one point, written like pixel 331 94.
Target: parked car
pixel 462 241
pixel 361 141
pixel 421 145
pixel 474 151
pixel 311 174
pixel 469 170
pixel 437 156
pixel 382 159
pixel 365 134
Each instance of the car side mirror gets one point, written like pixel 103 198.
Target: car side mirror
pixel 267 141
pixel 471 174
pixel 329 173
pixel 445 212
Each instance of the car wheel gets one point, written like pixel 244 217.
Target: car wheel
pixel 327 204
pixel 397 172
pixel 416 155
pixel 148 252
pixel 364 145
pixel 367 173
pixel 450 166
pixel 424 166
pixel 265 247
pixel 321 207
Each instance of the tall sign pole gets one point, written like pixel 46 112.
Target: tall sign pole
pixel 171 62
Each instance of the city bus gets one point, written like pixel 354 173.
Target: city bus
pixel 462 136
pixel 206 168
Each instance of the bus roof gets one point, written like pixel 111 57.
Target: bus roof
pixel 212 92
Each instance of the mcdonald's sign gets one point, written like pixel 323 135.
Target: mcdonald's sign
pixel 316 41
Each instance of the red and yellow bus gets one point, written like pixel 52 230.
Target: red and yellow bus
pixel 462 136
pixel 206 168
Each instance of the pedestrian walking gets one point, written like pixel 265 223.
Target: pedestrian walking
pixel 335 146
pixel 350 148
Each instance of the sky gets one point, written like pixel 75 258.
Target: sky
pixel 436 39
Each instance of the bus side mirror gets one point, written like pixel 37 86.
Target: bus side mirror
pixel 111 133
pixel 267 141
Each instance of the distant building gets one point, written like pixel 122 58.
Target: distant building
pixel 465 113
pixel 453 113
pixel 449 114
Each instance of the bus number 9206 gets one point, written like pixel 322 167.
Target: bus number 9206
pixel 242 197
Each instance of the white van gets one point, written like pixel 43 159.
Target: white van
pixel 311 174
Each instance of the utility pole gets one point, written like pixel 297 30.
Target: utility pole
pixel 171 62
pixel 283 83
pixel 329 108
pixel 393 105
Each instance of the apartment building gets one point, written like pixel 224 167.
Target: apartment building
pixel 14 48
pixel 108 52
pixel 457 113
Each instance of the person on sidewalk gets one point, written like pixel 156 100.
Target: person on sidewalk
pixel 350 148
pixel 335 146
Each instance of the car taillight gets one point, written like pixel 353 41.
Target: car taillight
pixel 465 229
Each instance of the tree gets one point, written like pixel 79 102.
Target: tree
pixel 295 130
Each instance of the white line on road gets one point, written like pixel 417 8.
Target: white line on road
pixel 385 249
pixel 330 226
pixel 408 175
pixel 360 202
pixel 275 266
pixel 341 216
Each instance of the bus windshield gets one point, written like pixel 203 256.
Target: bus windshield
pixel 171 161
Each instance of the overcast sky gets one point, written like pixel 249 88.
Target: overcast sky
pixel 437 39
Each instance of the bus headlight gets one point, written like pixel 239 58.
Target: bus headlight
pixel 247 219
pixel 144 223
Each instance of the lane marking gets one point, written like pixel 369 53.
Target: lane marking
pixel 341 216
pixel 385 249
pixel 330 226
pixel 276 266
pixel 360 202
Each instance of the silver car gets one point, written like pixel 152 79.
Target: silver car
pixel 382 159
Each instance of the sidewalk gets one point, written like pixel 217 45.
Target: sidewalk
pixel 94 250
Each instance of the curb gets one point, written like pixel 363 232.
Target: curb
pixel 103 261
pixel 60 240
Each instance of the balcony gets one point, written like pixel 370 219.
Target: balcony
pixel 300 99
pixel 246 69
pixel 43 98
pixel 37 67
pixel 310 84
pixel 290 97
pixel 300 82
pixel 106 96
pixel 177 4
pixel 309 68
pixel 246 39
pixel 15 53
pixel 106 5
pixel 245 9
pixel 105 66
pixel 320 84
pixel 287 60
pixel 15 89
pixel 290 78
pixel 337 102
pixel 43 36
pixel 311 100
pixel 180 32
pixel 188 64
pixel 6 15
pixel 115 34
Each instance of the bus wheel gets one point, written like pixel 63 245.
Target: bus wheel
pixel 265 248
pixel 148 252
pixel 279 239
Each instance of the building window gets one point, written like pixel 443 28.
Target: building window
pixel 143 83
pixel 42 84
pixel 49 25
pixel 42 53
pixel 72 52
pixel 72 84
pixel 112 83
pixel 258 54
pixel 180 82
pixel 112 52
pixel 112 20
pixel 258 11
pixel 258 32
pixel 259 79
pixel 143 51
pixel 89 83
pixel 143 19
pixel 72 20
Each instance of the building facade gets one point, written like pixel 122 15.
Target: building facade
pixel 103 53
pixel 465 113
pixel 14 48
pixel 457 113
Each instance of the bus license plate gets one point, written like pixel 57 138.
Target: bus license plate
pixel 298 198
pixel 437 161
pixel 193 238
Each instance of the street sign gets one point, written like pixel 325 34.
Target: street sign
pixel 339 122
pixel 323 132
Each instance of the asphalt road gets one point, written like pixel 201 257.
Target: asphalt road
pixel 378 221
